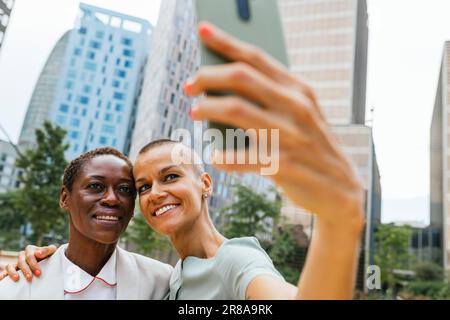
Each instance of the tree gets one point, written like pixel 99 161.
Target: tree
pixel 392 251
pixel 428 271
pixel 11 221
pixel 252 214
pixel 148 241
pixel 257 215
pixel 41 172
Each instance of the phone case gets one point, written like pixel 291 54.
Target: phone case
pixel 254 21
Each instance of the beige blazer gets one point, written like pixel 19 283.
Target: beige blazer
pixel 138 278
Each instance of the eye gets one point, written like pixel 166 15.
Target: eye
pixel 143 188
pixel 126 189
pixel 170 177
pixel 95 186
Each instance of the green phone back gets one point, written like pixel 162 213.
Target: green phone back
pixel 263 29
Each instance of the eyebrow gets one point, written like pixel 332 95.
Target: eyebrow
pixel 162 171
pixel 103 178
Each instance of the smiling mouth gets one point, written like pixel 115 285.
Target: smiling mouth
pixel 107 218
pixel 164 209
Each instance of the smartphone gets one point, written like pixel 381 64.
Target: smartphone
pixel 254 21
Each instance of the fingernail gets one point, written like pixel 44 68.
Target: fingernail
pixel 15 277
pixel 37 273
pixel 28 276
pixel 39 252
pixel 187 88
pixel 206 30
pixel 193 112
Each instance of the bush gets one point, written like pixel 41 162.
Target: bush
pixel 429 289
pixel 428 271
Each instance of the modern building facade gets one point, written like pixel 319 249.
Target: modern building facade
pixel 6 7
pixel 7 166
pixel 440 167
pixel 96 97
pixel 327 44
pixel 39 108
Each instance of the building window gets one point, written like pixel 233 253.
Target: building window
pixel 107 129
pixel 118 62
pixel 108 117
pixel 90 55
pixel 74 134
pixel 99 34
pixel 77 51
pixel 91 66
pixel 172 98
pixel 69 85
pixel 61 120
pixel 84 112
pixel 116 83
pixel 83 99
pixel 103 140
pixel 120 73
pixel 95 44
pixel 82 30
pixel 119 107
pixel 127 41
pixel 128 53
pixel 64 108
pixel 128 64
pixel 75 122
pixel 119 96
pixel 87 89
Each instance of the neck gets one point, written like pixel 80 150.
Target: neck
pixel 86 253
pixel 201 240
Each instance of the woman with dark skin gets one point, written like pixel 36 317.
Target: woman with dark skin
pixel 99 196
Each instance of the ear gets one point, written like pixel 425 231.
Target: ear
pixel 207 182
pixel 64 198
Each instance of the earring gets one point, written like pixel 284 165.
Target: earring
pixel 205 195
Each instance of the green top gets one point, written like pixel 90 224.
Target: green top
pixel 223 277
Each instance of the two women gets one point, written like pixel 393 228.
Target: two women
pixel 313 172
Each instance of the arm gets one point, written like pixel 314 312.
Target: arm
pixel 313 171
pixel 28 262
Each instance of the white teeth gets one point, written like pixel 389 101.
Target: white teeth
pixel 110 218
pixel 160 211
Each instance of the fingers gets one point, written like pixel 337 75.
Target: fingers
pixel 240 113
pixel 23 266
pixel 239 78
pixel 234 49
pixel 13 274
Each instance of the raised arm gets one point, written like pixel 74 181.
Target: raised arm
pixel 313 171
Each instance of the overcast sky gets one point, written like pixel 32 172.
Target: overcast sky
pixel 405 48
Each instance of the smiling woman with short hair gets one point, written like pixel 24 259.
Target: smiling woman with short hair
pixel 98 194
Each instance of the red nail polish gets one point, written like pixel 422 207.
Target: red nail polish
pixel 15 277
pixel 29 277
pixel 206 30
pixel 187 88
pixel 37 273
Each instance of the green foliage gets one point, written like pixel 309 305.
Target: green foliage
pixel 392 251
pixel 429 289
pixel 142 235
pixel 256 215
pixel 428 271
pixel 42 169
pixel 10 222
pixel 281 251
pixel 252 214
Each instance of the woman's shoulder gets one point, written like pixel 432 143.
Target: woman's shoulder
pixel 241 249
pixel 146 262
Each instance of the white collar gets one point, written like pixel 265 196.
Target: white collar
pixel 77 280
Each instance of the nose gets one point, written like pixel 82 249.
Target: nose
pixel 157 193
pixel 110 198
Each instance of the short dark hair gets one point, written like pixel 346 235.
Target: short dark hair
pixel 74 168
pixel 198 168
pixel 156 143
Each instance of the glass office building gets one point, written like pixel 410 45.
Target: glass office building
pixel 96 97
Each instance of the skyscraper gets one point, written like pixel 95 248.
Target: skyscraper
pixel 7 168
pixel 96 97
pixel 327 44
pixel 39 108
pixel 439 243
pixel 5 13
